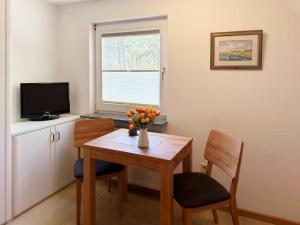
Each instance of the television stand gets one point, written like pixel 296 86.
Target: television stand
pixel 44 117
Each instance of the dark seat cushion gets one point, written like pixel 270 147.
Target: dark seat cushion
pixel 102 168
pixel 193 190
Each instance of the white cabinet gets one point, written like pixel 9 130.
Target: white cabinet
pixel 43 162
pixel 64 155
pixel 32 163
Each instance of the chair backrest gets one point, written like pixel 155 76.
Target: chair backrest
pixel 224 152
pixel 87 130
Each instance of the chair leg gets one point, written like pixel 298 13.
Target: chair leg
pixel 120 193
pixel 234 213
pixel 109 184
pixel 78 201
pixel 187 217
pixel 215 214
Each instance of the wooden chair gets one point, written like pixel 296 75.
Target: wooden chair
pixel 198 191
pixel 87 130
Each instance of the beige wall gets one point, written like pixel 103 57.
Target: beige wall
pixel 33 45
pixel 2 106
pixel 260 107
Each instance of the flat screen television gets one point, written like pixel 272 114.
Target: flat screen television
pixel 44 101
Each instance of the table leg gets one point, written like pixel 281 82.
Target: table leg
pixel 125 183
pixel 187 161
pixel 89 178
pixel 166 195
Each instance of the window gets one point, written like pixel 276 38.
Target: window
pixel 131 65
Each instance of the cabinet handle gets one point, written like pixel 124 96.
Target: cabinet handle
pixel 52 137
pixel 58 136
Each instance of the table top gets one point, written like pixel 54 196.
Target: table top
pixel 161 146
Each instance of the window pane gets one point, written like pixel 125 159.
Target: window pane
pixel 131 52
pixel 138 52
pixel 131 87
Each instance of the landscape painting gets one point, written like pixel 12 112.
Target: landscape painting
pixel 236 50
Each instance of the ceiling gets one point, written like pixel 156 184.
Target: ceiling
pixel 65 1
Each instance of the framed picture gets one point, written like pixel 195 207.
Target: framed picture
pixel 236 50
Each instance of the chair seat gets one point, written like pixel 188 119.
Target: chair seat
pixel 102 168
pixel 193 190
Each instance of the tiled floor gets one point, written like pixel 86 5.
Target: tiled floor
pixel 139 210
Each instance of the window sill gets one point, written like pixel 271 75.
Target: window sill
pixel 121 120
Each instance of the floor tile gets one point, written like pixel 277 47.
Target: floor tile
pixel 138 210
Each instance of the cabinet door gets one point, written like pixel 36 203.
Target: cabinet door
pixel 33 177
pixel 64 155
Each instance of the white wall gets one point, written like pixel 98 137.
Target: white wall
pixel 2 106
pixel 260 107
pixel 33 45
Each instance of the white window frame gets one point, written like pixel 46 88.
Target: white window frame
pixel 128 26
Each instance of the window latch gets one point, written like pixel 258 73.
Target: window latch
pixel 163 71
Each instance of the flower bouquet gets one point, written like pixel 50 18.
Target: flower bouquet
pixel 143 118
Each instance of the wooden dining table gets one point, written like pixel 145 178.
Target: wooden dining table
pixel 163 155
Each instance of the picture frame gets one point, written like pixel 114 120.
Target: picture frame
pixel 236 50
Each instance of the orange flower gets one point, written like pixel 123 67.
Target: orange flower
pixel 148 110
pixel 131 126
pixel 129 113
pixel 142 116
pixel 140 109
pixel 150 115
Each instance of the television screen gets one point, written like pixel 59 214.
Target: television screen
pixel 38 99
